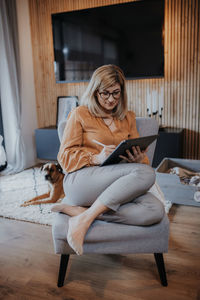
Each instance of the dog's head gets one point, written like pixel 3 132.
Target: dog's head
pixel 52 171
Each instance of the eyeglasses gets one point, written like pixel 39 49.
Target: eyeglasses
pixel 105 95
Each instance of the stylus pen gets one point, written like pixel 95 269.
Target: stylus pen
pixel 99 143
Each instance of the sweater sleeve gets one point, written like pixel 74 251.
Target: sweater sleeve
pixel 72 155
pixel 134 133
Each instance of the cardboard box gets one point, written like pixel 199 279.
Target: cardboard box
pixel 170 184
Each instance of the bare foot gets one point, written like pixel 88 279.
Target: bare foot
pixel 77 230
pixel 68 209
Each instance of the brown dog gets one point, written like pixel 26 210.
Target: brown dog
pixel 53 173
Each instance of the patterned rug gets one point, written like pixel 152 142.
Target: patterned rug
pixel 15 189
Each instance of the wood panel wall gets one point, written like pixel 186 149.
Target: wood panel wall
pixel 182 67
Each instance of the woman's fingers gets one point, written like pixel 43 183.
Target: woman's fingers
pixel 136 150
pixel 136 156
pixel 109 148
pixel 112 147
pixel 126 158
pixel 108 151
pixel 130 155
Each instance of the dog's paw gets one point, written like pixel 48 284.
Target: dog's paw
pixel 24 204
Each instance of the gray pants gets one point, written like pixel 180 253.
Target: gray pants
pixel 122 187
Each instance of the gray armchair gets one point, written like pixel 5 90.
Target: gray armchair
pixel 115 238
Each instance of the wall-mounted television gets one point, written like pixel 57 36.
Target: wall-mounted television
pixel 129 35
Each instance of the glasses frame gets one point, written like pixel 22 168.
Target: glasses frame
pixel 100 93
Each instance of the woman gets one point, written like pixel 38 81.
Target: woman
pixel 117 192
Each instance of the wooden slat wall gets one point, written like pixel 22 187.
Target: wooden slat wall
pixel 182 67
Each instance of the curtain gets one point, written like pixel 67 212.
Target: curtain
pixel 10 87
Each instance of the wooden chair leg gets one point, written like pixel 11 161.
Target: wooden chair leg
pixel 161 268
pixel 62 271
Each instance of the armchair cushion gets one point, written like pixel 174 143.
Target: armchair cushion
pixel 114 238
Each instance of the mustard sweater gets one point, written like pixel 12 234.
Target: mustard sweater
pixel 81 128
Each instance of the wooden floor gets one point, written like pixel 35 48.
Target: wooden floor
pixel 29 267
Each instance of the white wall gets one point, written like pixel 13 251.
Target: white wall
pixel 29 117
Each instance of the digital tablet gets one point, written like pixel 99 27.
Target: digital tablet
pixel 143 142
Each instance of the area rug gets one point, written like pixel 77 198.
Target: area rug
pixel 15 189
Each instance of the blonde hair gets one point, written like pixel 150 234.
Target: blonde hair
pixel 103 78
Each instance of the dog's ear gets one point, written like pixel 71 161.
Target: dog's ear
pixel 59 168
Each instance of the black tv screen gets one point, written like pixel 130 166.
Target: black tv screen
pixel 129 35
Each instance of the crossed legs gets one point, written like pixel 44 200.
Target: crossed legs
pixel 80 221
pixel 143 211
pixel 120 185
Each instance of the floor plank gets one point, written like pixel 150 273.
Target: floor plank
pixel 29 267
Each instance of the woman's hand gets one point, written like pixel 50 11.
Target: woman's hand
pixel 99 158
pixel 136 156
